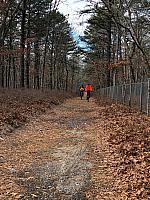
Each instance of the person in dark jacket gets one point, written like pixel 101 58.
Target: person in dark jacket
pixel 81 89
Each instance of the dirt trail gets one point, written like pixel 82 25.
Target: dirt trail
pixel 64 154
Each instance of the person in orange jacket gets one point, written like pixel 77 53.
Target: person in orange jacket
pixel 88 89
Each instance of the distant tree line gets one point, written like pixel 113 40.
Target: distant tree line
pixel 36 46
pixel 118 42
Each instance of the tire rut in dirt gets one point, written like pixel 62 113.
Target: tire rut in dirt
pixel 66 177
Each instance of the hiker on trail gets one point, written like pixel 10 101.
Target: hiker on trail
pixel 81 89
pixel 88 89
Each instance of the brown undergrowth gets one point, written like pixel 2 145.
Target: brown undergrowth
pixel 130 139
pixel 78 150
pixel 18 106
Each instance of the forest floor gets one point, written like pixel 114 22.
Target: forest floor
pixel 78 150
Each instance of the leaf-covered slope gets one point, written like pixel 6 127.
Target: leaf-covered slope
pixel 18 106
pixel 130 139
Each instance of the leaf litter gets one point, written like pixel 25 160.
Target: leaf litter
pixel 78 151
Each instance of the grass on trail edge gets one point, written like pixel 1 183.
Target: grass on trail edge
pixel 17 107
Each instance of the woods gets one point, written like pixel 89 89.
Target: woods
pixel 37 49
pixel 53 145
pixel 118 38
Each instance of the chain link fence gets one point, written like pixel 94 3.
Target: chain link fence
pixel 135 95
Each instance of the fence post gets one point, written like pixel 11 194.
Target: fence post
pixel 148 97
pixel 113 89
pixel 123 94
pixel 130 93
pixel 117 93
pixel 141 93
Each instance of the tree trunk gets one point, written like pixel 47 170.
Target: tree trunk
pixel 14 74
pixel 109 80
pixel 67 75
pixel 22 42
pixel 44 62
pixel 2 75
pixel 36 65
pixel 28 48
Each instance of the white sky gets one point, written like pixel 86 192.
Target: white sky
pixel 71 9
